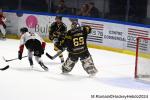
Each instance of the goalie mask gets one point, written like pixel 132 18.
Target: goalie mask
pixel 74 24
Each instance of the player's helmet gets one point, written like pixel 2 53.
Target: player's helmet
pixel 74 22
pixel 58 17
pixel 23 30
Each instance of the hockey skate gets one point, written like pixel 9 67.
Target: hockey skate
pixel 31 63
pixel 93 74
pixel 43 66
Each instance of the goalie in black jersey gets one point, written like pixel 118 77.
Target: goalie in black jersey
pixel 76 45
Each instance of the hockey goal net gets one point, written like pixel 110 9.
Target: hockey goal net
pixel 142 62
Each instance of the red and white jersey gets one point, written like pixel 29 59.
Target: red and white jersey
pixel 27 36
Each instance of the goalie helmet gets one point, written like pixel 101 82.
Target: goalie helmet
pixel 74 23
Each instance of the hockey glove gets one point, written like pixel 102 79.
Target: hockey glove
pixel 19 55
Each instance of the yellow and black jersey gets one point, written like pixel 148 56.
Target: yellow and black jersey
pixel 75 40
pixel 56 30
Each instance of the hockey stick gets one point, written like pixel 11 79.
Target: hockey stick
pixel 6 67
pixel 56 55
pixel 13 59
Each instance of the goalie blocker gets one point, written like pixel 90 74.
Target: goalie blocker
pixel 76 45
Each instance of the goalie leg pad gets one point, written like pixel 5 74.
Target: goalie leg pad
pixel 89 66
pixel 68 65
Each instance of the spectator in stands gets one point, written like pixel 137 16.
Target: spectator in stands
pixel 1 11
pixel 93 11
pixel 62 8
pixel 84 10
pixel 73 11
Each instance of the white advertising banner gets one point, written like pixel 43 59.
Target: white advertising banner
pixel 132 33
pixel 108 34
pixel 39 23
pixel 114 35
pixel 11 22
pixel 35 23
pixel 96 36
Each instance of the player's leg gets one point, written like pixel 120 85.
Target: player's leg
pixel 88 64
pixel 38 52
pixel 69 63
pixel 30 56
pixel 29 45
pixel 3 31
pixel 40 62
pixel 61 55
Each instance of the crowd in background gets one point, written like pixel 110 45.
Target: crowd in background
pixel 87 9
pixel 122 10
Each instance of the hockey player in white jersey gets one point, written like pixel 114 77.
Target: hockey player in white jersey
pixel 35 46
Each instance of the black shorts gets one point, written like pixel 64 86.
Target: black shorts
pixel 35 46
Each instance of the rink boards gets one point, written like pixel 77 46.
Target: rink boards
pixel 108 35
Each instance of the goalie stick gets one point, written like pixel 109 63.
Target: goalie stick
pixel 56 55
pixel 13 59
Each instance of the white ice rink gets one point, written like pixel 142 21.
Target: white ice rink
pixel 115 77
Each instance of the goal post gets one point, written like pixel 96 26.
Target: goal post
pixel 142 61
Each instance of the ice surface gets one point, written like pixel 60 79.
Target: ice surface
pixel 20 82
